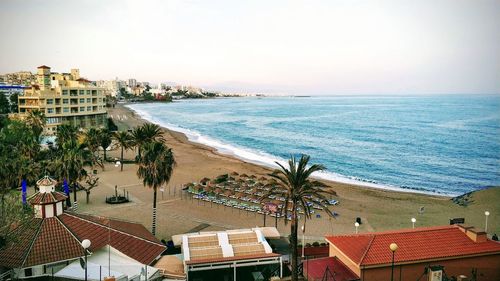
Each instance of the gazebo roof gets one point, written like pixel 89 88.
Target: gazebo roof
pixel 47 198
pixel 46 181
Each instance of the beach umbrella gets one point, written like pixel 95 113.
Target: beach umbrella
pixel 24 186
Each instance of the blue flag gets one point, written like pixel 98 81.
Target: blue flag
pixel 23 184
pixel 66 187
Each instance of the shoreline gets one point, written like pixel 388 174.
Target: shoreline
pixel 325 176
pixel 178 212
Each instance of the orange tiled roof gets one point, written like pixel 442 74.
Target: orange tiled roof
pixel 58 238
pixel 142 247
pixel 40 242
pixel 46 198
pixel 413 245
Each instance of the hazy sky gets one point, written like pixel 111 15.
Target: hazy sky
pixel 308 47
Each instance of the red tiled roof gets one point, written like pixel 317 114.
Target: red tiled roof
pixel 56 239
pixel 14 253
pixel 413 245
pixel 44 67
pixel 46 198
pixel 129 227
pixel 143 248
pixel 53 243
pixel 41 242
pixel 46 181
pixel 245 257
pixel 315 269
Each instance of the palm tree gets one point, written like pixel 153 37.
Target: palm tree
pixel 36 120
pixel 294 184
pixel 146 133
pixel 155 169
pixel 66 132
pixel 70 164
pixel 104 140
pixel 125 140
pixel 92 141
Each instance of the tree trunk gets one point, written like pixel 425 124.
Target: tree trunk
pixel 293 243
pixel 121 161
pixel 153 228
pixel 105 158
pixel 74 191
pixel 88 195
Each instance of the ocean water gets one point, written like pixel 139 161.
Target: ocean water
pixel 445 145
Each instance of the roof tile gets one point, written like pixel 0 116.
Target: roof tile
pixel 413 245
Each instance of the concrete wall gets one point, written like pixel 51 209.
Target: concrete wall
pixel 488 269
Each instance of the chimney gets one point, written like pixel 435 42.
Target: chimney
pixel 464 228
pixel 474 234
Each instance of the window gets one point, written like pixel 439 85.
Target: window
pixel 82 100
pixel 50 110
pixel 65 101
pixel 88 92
pixel 66 109
pixel 89 100
pixel 64 92
pixel 82 108
pixel 50 101
pixel 89 108
pixel 82 92
pixel 28 272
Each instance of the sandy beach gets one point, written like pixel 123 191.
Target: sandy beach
pixel 179 213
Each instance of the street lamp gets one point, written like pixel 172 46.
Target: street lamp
pixel 303 245
pixel 487 214
pixel 393 248
pixel 356 224
pixel 85 245
pixel 413 221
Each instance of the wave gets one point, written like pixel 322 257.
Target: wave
pixel 269 160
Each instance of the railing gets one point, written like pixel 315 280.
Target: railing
pixel 6 275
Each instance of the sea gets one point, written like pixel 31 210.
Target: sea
pixel 443 144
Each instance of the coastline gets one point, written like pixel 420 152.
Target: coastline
pixel 379 209
pixel 218 148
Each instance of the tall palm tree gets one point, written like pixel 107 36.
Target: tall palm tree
pixel 155 169
pixel 36 120
pixel 70 163
pixel 146 133
pixel 295 185
pixel 104 140
pixel 92 141
pixel 125 140
pixel 66 132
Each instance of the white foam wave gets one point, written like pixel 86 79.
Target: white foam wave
pixel 266 159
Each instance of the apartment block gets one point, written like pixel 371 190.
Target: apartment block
pixel 64 98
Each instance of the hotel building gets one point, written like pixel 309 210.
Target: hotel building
pixel 64 98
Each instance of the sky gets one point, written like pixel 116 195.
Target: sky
pixel 297 47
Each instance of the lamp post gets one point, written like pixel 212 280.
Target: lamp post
pixel 413 221
pixel 303 239
pixel 356 224
pixel 393 248
pixel 487 214
pixel 85 245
